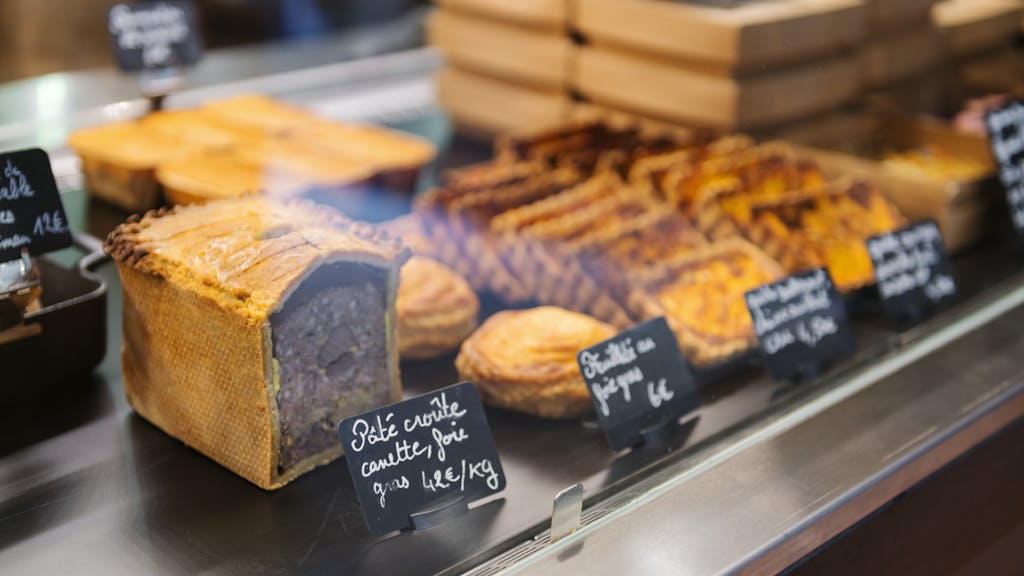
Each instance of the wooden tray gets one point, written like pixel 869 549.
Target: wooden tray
pixel 738 39
pixel 524 55
pixel 487 106
pixel 902 54
pixel 545 14
pixel 653 88
pixel 974 26
pixel 959 207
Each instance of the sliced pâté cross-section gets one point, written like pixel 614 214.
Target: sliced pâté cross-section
pixel 252 326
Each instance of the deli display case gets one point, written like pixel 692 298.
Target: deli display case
pixel 566 179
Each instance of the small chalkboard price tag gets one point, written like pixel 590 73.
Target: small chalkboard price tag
pixel 639 381
pixel 1006 135
pixel 407 458
pixel 911 270
pixel 154 35
pixel 801 324
pixel 31 213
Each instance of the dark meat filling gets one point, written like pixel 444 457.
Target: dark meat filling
pixel 330 350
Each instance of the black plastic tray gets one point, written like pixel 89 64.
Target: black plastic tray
pixel 67 336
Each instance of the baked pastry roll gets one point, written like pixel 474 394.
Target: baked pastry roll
pixel 252 326
pixel 437 309
pixel 458 219
pixel 820 227
pixel 525 360
pixel 702 298
pixel 119 162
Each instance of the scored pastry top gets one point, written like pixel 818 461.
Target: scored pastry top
pixel 247 252
pixel 430 288
pixel 535 347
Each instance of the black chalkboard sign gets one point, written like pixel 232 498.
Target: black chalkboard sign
pixel 639 381
pixel 31 213
pixel 154 35
pixel 408 457
pixel 801 324
pixel 1006 135
pixel 911 270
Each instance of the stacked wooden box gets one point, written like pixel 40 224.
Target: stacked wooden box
pixel 902 42
pixel 508 62
pixel 758 66
pixel 743 67
pixel 979 37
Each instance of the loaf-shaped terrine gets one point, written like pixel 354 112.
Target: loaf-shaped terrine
pixel 253 326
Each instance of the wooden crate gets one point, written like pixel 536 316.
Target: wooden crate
pixel 551 15
pixel 974 26
pixel 885 16
pixel 667 91
pixel 901 55
pixel 742 38
pixel 930 94
pixel 533 57
pixel 487 106
pixel 959 207
pixel 844 130
pixel 1001 72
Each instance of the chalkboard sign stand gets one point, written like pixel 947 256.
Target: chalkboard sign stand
pixel 668 432
pixel 440 512
pixel 909 317
pixel 156 84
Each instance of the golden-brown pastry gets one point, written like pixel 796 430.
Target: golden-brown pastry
pixel 395 157
pixel 256 115
pixel 437 309
pixel 288 167
pixel 410 229
pixel 702 298
pixel 252 326
pixel 193 128
pixel 205 177
pixel 119 163
pixel 824 226
pixel 525 360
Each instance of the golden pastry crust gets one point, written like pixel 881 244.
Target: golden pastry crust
pixel 412 233
pixel 525 360
pixel 190 127
pixel 380 148
pixel 226 267
pixel 206 177
pixel 702 298
pixel 256 115
pixel 287 168
pixel 818 227
pixel 437 309
pixel 119 163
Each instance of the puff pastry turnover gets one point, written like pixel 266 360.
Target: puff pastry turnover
pixel 525 360
pixel 437 309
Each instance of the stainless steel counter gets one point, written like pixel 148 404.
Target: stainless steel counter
pixel 764 476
